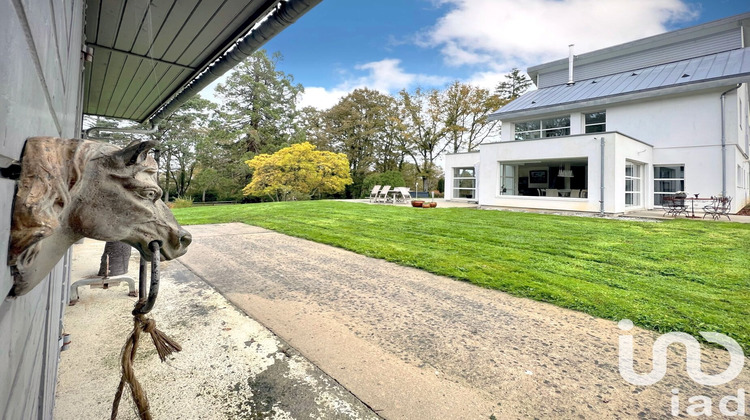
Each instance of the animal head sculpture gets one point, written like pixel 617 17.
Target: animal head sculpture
pixel 70 189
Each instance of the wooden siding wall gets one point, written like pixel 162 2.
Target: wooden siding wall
pixel 40 77
pixel 723 41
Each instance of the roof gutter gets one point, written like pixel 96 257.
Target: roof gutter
pixel 724 141
pixel 286 13
pixel 94 133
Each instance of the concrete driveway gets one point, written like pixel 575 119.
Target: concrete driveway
pixel 412 345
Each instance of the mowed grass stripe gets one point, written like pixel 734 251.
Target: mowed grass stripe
pixel 679 275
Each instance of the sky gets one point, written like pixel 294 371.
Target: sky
pixel 389 45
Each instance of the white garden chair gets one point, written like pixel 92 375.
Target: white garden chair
pixel 374 193
pixel 383 194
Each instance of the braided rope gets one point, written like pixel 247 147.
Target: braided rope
pixel 164 345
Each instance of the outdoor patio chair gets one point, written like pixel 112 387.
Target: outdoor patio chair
pixel 383 195
pixel 720 206
pixel 674 206
pixel 404 196
pixel 374 193
pixel 551 192
pixel 575 193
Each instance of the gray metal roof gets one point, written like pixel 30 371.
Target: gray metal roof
pixel 148 51
pixel 696 73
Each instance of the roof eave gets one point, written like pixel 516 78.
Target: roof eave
pixel 286 13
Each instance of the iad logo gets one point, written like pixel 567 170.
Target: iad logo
pixel 702 405
pixel 693 349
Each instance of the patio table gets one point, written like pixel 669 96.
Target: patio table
pixel 393 196
pixel 692 205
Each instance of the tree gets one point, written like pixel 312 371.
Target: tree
pixel 260 104
pixel 467 109
pixel 206 179
pixel 311 126
pixel 358 126
pixel 515 84
pixel 424 132
pixel 298 171
pixel 179 136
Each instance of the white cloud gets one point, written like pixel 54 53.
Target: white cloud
pixel 486 79
pixel 386 76
pixel 485 32
pixel 320 98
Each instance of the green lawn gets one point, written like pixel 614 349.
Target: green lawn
pixel 680 275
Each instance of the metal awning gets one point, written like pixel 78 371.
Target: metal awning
pixel 150 56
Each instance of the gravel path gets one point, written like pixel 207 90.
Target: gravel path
pixel 230 366
pixel 412 345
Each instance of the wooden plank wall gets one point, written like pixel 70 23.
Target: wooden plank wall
pixel 40 79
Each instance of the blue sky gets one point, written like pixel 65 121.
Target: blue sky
pixel 389 45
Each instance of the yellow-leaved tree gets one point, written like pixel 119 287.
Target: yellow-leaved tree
pixel 298 171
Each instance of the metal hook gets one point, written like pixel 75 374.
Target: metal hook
pixel 153 290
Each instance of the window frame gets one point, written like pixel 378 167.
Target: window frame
pixel 539 128
pixel 587 125
pixel 456 187
pixel 504 179
pixel 680 182
pixel 636 183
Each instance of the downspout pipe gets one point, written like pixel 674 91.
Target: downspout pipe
pixel 287 12
pixel 601 177
pixel 724 141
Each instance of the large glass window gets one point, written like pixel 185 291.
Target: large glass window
pixel 464 183
pixel 596 122
pixel 550 127
pixel 668 179
pixel 507 180
pixel 528 130
pixel 534 178
pixel 633 184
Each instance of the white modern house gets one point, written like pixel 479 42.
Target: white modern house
pixel 618 129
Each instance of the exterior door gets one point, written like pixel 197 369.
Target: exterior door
pixel 633 184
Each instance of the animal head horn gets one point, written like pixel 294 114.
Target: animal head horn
pixel 135 153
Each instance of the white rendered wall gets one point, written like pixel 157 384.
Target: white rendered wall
pixel 459 160
pixel 687 130
pixel 675 122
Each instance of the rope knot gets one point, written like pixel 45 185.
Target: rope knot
pixel 164 347
pixel 149 325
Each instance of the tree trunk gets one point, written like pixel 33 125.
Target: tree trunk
pixel 119 256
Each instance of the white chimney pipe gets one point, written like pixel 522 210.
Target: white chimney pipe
pixel 570 64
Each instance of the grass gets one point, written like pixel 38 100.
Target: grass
pixel 680 275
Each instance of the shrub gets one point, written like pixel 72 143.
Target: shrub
pixel 182 202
